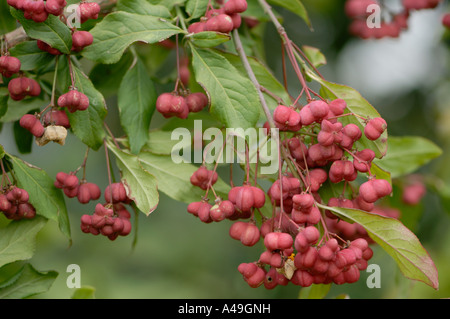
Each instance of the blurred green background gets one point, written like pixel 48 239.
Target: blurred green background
pixel 177 256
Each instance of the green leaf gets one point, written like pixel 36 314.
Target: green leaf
pixel 52 31
pixel 397 240
pixel 406 154
pixel 44 196
pixel 380 173
pixel 160 143
pixel 314 55
pixel 16 109
pixel 234 99
pixel 196 8
pixel 30 56
pixel 358 105
pixel 18 239
pixel 118 30
pixel 315 291
pixel 23 138
pixel 295 6
pixel 208 39
pixel 169 4
pixel 265 78
pixel 85 292
pixel 7 22
pixel 27 282
pixel 2 152
pixel 87 125
pixel 141 186
pixel 3 103
pixel 106 78
pixel 174 179
pixel 143 7
pixel 136 101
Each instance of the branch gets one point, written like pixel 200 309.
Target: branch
pixel 251 74
pixel 288 45
pixel 19 35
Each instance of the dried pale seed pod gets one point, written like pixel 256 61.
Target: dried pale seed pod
pixel 53 133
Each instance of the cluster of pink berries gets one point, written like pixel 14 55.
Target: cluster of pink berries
pixel 73 100
pixel 223 20
pixel 295 250
pixel 72 187
pixel 180 105
pixel 9 65
pixel 111 219
pixel 80 40
pixel 108 220
pixel 14 204
pixel 39 10
pixel 358 11
pixel 21 87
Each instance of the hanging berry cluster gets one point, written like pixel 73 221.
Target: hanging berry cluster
pixel 224 19
pixel 111 218
pixel 14 201
pixel 52 122
pixel 393 23
pixel 321 150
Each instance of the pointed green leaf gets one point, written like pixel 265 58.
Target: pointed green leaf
pixel 174 178
pixel 208 39
pixel 52 31
pixel 27 282
pixel 118 30
pixel 18 239
pixel 4 96
pixel 85 292
pixel 358 105
pixel 16 109
pixel 44 196
pixel 7 22
pixel 143 7
pixel 141 185
pixel 23 138
pixel 315 291
pixel 234 99
pixel 295 6
pixel 406 154
pixel 136 101
pixel 265 78
pixel 314 55
pixel 397 240
pixel 30 56
pixel 161 143
pixel 196 8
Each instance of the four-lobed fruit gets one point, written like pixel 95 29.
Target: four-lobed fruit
pixel 172 105
pixel 32 124
pixel 109 221
pixel 15 205
pixel 56 117
pixel 21 87
pixel 74 101
pixel 9 65
pixel 81 39
pixel 223 20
